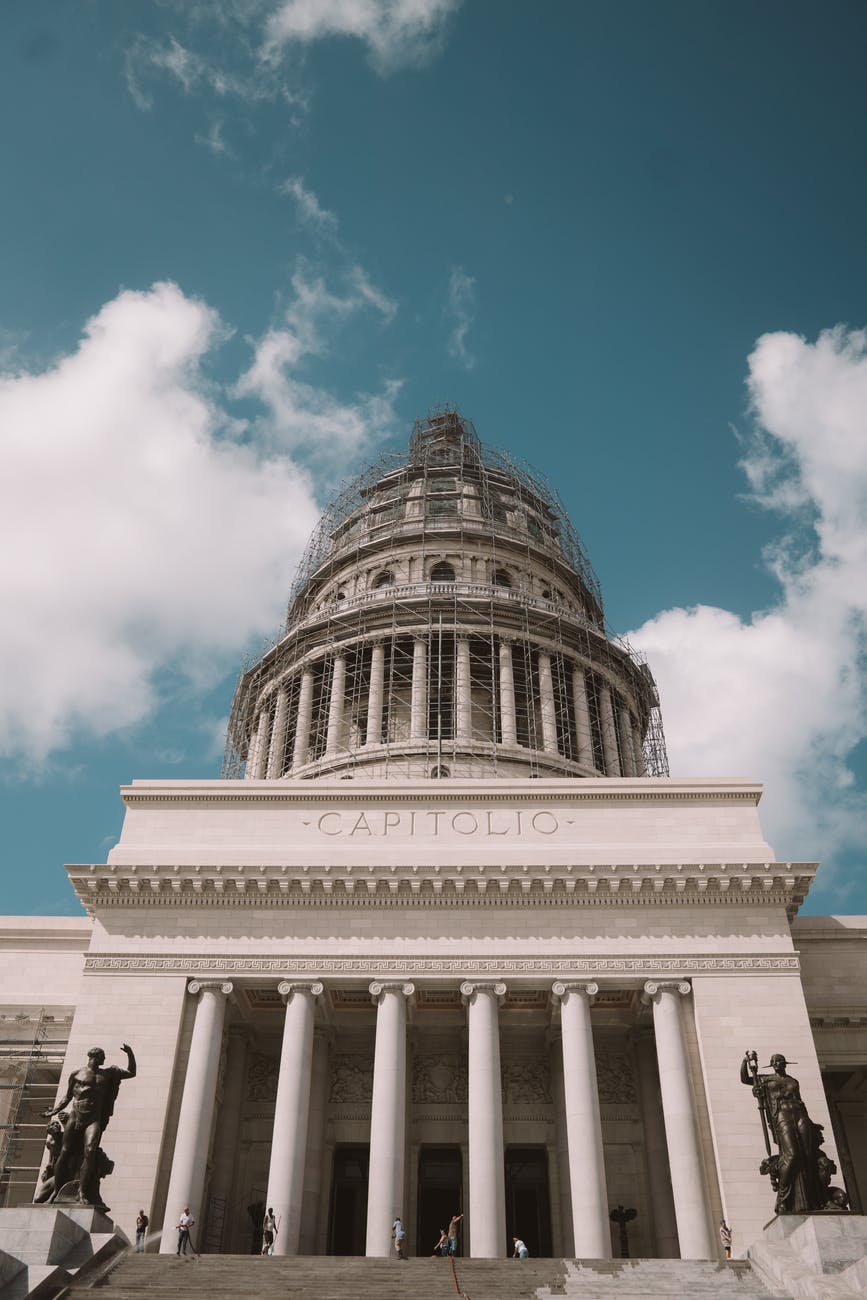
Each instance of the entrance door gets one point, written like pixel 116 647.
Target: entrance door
pixel 440 1178
pixel 347 1229
pixel 528 1202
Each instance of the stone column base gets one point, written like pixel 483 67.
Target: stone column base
pixel 822 1256
pixel 43 1247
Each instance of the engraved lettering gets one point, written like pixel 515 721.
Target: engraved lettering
pixel 470 829
pixel 539 826
pixel 491 829
pixel 324 829
pixel 361 825
pixel 436 820
pixel 390 819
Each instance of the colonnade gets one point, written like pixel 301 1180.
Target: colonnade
pixel 486 1209
pixel 617 730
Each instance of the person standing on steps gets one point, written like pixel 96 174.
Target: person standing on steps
pixel 398 1233
pixel 269 1232
pixel 453 1233
pixel 442 1246
pixel 185 1222
pixel 725 1236
pixel 141 1227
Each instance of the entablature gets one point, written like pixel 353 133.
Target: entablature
pixel 484 885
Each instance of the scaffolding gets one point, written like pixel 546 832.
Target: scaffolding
pixel 445 620
pixel 30 1068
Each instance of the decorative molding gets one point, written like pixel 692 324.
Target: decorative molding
pixel 475 885
pixel 526 1081
pixel 287 987
pixel 561 989
pixel 210 986
pixel 571 968
pixel 470 988
pixel 378 987
pixel 653 988
pixel 439 1080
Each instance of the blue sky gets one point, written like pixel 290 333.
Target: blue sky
pixel 246 242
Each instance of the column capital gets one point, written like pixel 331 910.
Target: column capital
pixel 378 987
pixel 287 987
pixel 653 988
pixel 211 986
pixel 470 988
pixel 562 988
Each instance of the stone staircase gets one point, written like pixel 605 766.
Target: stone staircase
pixel 250 1277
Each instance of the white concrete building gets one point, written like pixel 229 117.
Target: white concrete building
pixel 446 937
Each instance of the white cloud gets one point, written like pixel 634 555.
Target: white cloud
pixel 396 32
pixel 460 310
pixel 301 417
pixel 781 697
pixel 215 141
pixel 307 205
pixel 242 76
pixel 140 535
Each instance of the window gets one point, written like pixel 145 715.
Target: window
pixel 500 578
pixel 442 572
pixel 383 579
pixel 438 772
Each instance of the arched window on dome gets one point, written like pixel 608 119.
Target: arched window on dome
pixel 500 578
pixel 383 579
pixel 442 572
pixel 437 773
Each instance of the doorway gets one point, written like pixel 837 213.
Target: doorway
pixel 440 1179
pixel 347 1227
pixel 528 1200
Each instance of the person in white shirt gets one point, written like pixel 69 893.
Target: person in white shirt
pixel 269 1232
pixel 185 1222
pixel 520 1251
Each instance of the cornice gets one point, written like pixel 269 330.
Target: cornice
pixel 636 969
pixel 479 885
pixel 572 791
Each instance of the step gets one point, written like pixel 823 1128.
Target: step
pixel 231 1277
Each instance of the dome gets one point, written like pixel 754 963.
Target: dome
pixel 445 621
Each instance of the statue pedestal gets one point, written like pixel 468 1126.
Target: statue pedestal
pixel 814 1255
pixel 45 1246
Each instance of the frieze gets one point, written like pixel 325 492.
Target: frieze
pixel 439 1079
pixel 351 1079
pixel 369 967
pixel 262 1078
pixel 615 1080
pixel 526 1081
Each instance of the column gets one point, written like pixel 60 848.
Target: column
pixel 305 716
pixel 609 736
pixel 257 755
pixel 583 1123
pixel 582 718
pixel 187 1179
pixel 624 723
pixel 508 723
pixel 418 703
pixel 336 705
pixel 315 1161
pixel 681 1132
pixel 375 695
pixel 387 1115
pixel 656 1155
pixel 278 735
pixel 463 695
pixel 226 1139
pixel 487 1210
pixel 546 701
pixel 638 751
pixel 567 1244
pixel 289 1140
